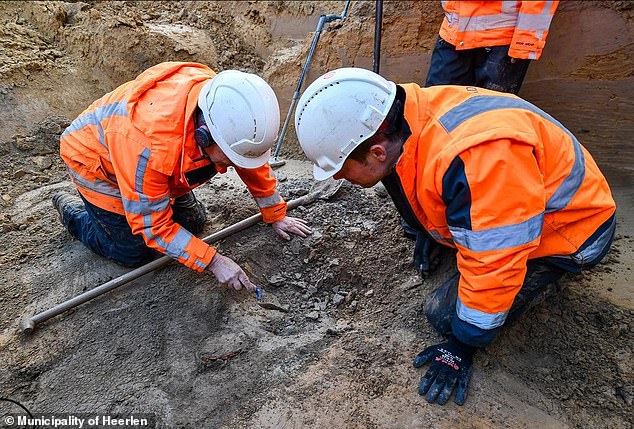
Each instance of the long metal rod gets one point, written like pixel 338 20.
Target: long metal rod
pixel 378 24
pixel 28 325
pixel 323 19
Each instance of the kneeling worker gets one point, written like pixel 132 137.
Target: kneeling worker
pixel 136 154
pixel 484 172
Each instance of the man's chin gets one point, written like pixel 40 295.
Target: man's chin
pixel 366 185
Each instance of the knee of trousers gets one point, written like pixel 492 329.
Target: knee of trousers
pixel 440 308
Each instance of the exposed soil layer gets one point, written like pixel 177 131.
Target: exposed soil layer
pixel 177 345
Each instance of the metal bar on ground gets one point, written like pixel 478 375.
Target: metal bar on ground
pixel 27 325
pixel 323 19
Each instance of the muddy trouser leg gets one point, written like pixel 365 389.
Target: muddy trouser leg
pixel 539 284
pixel 189 213
pixel 449 66
pixel 107 234
pixel 494 70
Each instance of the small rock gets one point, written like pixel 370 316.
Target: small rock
pixel 6 197
pixel 380 190
pixel 281 177
pixel 351 296
pixel 276 279
pixel 42 162
pixel 369 293
pixel 19 173
pixel 313 315
pixel 338 299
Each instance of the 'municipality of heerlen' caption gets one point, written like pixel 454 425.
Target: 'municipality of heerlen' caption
pixel 74 421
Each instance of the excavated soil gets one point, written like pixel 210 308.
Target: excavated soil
pixel 177 346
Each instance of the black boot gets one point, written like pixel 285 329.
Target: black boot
pixel 189 213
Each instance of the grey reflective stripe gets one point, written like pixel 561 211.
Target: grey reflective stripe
pixel 547 6
pixel 590 253
pixel 571 184
pixel 532 55
pixel 145 206
pixel 500 237
pixel 486 103
pixel 532 22
pixel 436 236
pixel 97 185
pixel 452 18
pixel 139 175
pixel 487 22
pixel 200 264
pixel 176 248
pixel 479 318
pixel 96 116
pixel 269 201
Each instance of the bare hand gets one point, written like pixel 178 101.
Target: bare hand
pixel 229 273
pixel 293 225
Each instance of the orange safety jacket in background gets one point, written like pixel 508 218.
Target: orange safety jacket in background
pixel 477 24
pixel 502 182
pixel 133 151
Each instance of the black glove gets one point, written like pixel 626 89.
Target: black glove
pixel 426 254
pixel 451 366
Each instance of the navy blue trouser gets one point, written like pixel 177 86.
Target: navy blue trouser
pixel 540 281
pixel 489 68
pixel 108 234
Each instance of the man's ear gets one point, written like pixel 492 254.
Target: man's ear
pixel 378 152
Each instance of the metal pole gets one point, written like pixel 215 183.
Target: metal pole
pixel 27 325
pixel 323 19
pixel 320 26
pixel 378 23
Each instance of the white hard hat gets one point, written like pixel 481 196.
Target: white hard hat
pixel 243 116
pixel 339 111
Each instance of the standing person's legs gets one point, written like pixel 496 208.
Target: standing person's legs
pixel 449 66
pixel 495 70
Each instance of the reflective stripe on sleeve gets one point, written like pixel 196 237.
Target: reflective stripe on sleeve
pixel 500 237
pixel 270 201
pixel 141 167
pixel 531 22
pixel 486 103
pixel 480 318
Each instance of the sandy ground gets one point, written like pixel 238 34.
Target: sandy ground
pixel 148 347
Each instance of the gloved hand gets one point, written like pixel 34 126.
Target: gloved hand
pixel 229 273
pixel 451 365
pixel 293 225
pixel 426 254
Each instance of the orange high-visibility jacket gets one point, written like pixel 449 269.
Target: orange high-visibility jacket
pixel 503 182
pixel 133 151
pixel 477 24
